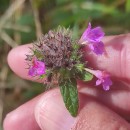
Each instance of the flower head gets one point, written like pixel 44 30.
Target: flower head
pixel 93 38
pixel 37 68
pixel 104 79
pixel 56 48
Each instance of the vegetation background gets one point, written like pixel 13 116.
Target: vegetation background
pixel 23 21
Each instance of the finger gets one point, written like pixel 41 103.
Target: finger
pixel 17 62
pixel 50 113
pixel 92 115
pixel 22 118
pixel 96 116
pixel 116 59
pixel 98 62
pixel 115 99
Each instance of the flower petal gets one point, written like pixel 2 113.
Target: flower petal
pixel 32 71
pixel 38 68
pixel 95 35
pixel 97 48
pixel 98 82
pixel 86 32
pixel 40 71
pixel 106 88
pixel 107 83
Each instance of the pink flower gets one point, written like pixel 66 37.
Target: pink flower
pixel 97 48
pixel 103 78
pixel 93 38
pixel 37 68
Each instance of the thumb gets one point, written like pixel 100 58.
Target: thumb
pixel 51 114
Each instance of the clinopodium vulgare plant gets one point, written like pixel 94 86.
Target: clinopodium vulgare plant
pixel 58 60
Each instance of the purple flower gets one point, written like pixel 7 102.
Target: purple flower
pixel 104 79
pixel 97 48
pixel 37 68
pixel 93 38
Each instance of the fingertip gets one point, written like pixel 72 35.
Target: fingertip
pixel 9 122
pixel 16 60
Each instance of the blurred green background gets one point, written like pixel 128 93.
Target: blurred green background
pixel 23 21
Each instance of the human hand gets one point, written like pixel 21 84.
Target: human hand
pixel 99 110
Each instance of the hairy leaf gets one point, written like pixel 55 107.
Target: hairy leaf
pixel 68 88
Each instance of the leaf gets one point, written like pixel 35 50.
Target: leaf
pixel 86 76
pixel 68 88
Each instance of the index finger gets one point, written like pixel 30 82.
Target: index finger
pixel 116 60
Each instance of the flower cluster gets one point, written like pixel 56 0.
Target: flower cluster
pixel 61 57
pixel 58 58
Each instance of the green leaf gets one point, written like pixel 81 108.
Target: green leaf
pixel 68 88
pixel 86 76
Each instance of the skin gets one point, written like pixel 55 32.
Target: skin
pixel 99 110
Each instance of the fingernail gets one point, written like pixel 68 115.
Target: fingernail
pixel 51 114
